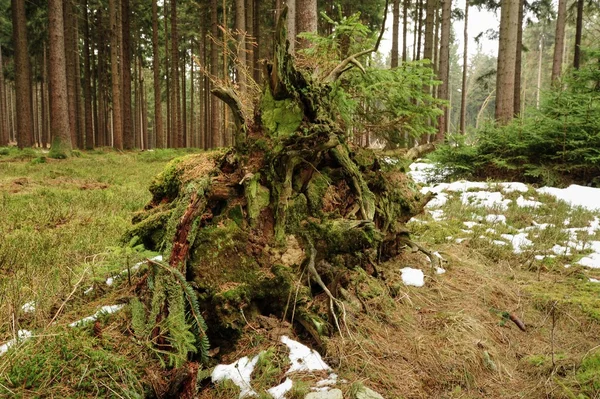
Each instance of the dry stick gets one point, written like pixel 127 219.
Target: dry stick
pixel 416 247
pixel 68 297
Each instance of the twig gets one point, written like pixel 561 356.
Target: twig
pixel 68 297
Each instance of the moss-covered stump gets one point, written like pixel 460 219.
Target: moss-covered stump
pixel 277 224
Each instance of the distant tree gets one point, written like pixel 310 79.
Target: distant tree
pixel 395 32
pixel 444 70
pixel 306 19
pixel 24 110
pixel 59 111
pixel 115 50
pixel 128 134
pixel 507 49
pixel 559 39
pixel 405 30
pixel 240 27
pixel 578 34
pixel 158 122
pixel 463 93
pixel 3 111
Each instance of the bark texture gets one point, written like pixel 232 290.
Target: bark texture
pixel 507 50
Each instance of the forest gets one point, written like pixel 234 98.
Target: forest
pixel 300 199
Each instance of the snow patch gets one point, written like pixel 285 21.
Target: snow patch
pixel 28 307
pixel 111 280
pixel 414 277
pixel 485 199
pixel 575 195
pixel 519 241
pixel 495 219
pixel 303 358
pixel 108 309
pixel 525 203
pixel 280 390
pixel 239 373
pixel 22 335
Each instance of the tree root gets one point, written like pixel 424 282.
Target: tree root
pixel 435 260
pixel 332 300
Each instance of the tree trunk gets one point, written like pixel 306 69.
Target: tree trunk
pixel 71 53
pixel 306 19
pixel 539 72
pixel 128 133
pixel 429 29
pixel 444 70
pixel 507 51
pixel 463 93
pixel 405 29
pixel 87 77
pixel 578 32
pixel 158 122
pixel 115 49
pixel 45 100
pixel 559 39
pixel 518 61
pixel 59 106
pixel 240 27
pixel 256 68
pixel 169 113
pixel 395 33
pixel 184 127
pixel 419 25
pixel 22 76
pixel 3 108
pixel 175 99
pixel 214 70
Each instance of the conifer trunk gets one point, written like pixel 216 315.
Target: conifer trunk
pixel 24 114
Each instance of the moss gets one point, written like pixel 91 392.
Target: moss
pixel 236 214
pixel 258 197
pixel 151 230
pixel 344 236
pixel 280 118
pixel 365 158
pixel 59 149
pixel 588 375
pixel 579 294
pixel 315 191
pixel 166 185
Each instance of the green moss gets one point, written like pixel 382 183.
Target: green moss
pixel 344 236
pixel 281 118
pixel 579 294
pixel 588 375
pixel 296 214
pixel 167 183
pixel 315 191
pixel 258 197
pixel 150 230
pixel 59 149
pixel 236 214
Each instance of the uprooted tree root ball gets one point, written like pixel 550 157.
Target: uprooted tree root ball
pixel 291 212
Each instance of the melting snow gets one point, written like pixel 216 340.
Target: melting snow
pixel 29 307
pixel 574 195
pixel 414 277
pixel 519 241
pixel 111 280
pixel 108 309
pixel 485 199
pixel 593 280
pixel 22 335
pixel 303 358
pixel 239 373
pixel 496 219
pixel 280 390
pixel 524 203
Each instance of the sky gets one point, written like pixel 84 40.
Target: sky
pixel 479 21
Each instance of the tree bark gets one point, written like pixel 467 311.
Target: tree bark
pixel 59 107
pixel 518 61
pixel 405 29
pixel 429 29
pixel 158 122
pixel 176 101
pixel 3 108
pixel 128 133
pixel 444 70
pixel 117 114
pixel 87 77
pixel 306 19
pixel 214 70
pixel 578 32
pixel 559 39
pixel 22 76
pixel 395 33
pixel 507 51
pixel 419 25
pixel 463 93
pixel 169 113
pixel 240 27
pixel 71 53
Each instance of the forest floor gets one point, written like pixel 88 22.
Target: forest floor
pixel 511 254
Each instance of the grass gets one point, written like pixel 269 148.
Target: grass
pixel 61 230
pixel 62 225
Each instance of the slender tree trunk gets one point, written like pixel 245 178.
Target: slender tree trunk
pixel 240 27
pixel 158 123
pixel 71 53
pixel 463 93
pixel 22 76
pixel 539 73
pixel 3 108
pixel 225 136
pixel 184 126
pixel 256 73
pixel 193 137
pixel 176 100
pixel 395 33
pixel 115 49
pixel 429 29
pixel 169 113
pixel 507 51
pixel 578 32
pixel 45 100
pixel 291 24
pixel 59 106
pixel 306 19
pixel 405 29
pixel 87 77
pixel 251 48
pixel 444 70
pixel 518 61
pixel 559 39
pixel 214 70
pixel 128 134
pixel 420 30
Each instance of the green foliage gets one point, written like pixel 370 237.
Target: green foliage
pixel 556 144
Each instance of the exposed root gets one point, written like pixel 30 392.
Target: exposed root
pixel 435 260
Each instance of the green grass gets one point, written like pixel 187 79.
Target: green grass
pixel 61 218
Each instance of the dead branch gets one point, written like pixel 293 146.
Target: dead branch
pixel 229 97
pixel 419 151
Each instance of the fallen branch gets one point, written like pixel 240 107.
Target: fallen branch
pixel 229 97
pixel 435 263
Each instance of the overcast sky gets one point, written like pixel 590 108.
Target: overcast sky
pixel 479 21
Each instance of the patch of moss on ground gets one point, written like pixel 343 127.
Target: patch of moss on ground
pixel 579 294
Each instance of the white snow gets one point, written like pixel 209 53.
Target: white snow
pixel 470 224
pixel 575 195
pixel 239 373
pixel 414 277
pixel 519 241
pixel 437 215
pixel 438 201
pixel 440 270
pixel 280 390
pixel 498 242
pixel 332 380
pixel 22 335
pixel 510 187
pixel 28 307
pixel 560 250
pixel 421 172
pixel 303 358
pixel 111 280
pixel 594 280
pixel 525 203
pixel 485 199
pixel 495 219
pixel 108 309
